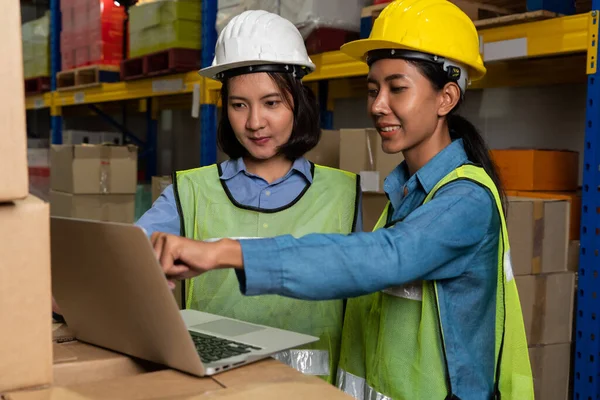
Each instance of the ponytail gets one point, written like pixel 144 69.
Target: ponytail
pixel 476 149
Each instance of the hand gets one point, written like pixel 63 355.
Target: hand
pixel 183 258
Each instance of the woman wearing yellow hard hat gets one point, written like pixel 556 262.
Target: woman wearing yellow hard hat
pixel 435 312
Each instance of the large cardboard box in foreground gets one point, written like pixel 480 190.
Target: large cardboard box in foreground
pixel 361 153
pixel 538 231
pixel 25 300
pixel 99 207
pixel 373 205
pixel 551 366
pixel 547 302
pixel 93 169
pixel 13 147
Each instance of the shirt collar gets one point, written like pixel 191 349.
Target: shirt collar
pixel 446 161
pixel 231 168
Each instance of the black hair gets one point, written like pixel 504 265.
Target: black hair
pixel 461 128
pixel 306 131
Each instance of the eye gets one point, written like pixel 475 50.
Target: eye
pixel 372 92
pixel 272 103
pixel 237 106
pixel 397 89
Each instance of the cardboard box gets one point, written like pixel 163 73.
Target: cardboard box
pixel 75 363
pixel 93 169
pixel 361 153
pixel 159 184
pixel 530 169
pixel 538 235
pixel 25 300
pixel 551 366
pixel 327 152
pixel 373 205
pixel 574 199
pixel 547 301
pixel 99 207
pixel 13 151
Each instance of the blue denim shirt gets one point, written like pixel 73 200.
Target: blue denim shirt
pixel 246 188
pixel 452 239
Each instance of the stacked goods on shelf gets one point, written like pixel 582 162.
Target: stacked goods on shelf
pixel 36 47
pixel 325 25
pixel 545 174
pixel 96 182
pixel 166 24
pixel 92 33
pixel 545 265
pixel 71 136
pixel 25 340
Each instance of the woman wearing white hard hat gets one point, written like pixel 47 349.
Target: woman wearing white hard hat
pixel 266 188
pixel 443 320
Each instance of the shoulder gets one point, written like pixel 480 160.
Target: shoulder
pixel 335 176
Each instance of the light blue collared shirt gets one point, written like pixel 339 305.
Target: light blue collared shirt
pixel 246 188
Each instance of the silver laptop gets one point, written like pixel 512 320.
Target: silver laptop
pixel 113 293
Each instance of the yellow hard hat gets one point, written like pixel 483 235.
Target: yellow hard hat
pixel 435 27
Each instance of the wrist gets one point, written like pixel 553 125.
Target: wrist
pixel 229 254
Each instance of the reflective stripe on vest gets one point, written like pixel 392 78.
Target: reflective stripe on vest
pixel 397 351
pixel 309 362
pixel 327 205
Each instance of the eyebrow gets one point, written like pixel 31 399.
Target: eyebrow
pixel 388 78
pixel 262 98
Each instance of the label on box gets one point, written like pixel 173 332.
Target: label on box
pixel 369 181
pixel 167 85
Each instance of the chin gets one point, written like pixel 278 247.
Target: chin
pixel 392 147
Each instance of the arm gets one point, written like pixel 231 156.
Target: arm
pixel 163 216
pixel 328 266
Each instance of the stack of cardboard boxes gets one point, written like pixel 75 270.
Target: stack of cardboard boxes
pixel 93 182
pixel 25 340
pixel 543 224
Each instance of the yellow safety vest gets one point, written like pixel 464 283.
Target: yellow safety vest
pixel 328 205
pixel 393 341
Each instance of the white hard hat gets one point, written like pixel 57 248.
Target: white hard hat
pixel 260 41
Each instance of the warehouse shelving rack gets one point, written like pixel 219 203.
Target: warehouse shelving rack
pixel 557 50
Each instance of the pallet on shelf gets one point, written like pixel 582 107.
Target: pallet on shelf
pixel 514 19
pixel 164 62
pixel 37 85
pixel 84 77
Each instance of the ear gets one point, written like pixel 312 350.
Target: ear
pixel 449 98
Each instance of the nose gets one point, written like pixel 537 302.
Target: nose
pixel 379 106
pixel 255 119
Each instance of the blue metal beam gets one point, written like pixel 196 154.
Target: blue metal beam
pixel 123 129
pixel 586 385
pixel 326 115
pixel 209 31
pixel 565 7
pixel 55 65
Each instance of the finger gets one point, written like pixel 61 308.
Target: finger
pixel 167 257
pixel 171 284
pixel 158 244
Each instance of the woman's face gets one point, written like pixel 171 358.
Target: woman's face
pixel 403 104
pixel 259 115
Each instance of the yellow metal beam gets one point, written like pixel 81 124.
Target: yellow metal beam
pixel 128 90
pixel 38 102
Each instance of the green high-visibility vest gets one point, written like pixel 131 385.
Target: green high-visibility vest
pixel 328 205
pixel 393 340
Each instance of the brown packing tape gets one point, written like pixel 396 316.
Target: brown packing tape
pixel 538 237
pixel 105 152
pixel 539 309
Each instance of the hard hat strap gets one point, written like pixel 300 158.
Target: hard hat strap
pixel 454 71
pixel 296 70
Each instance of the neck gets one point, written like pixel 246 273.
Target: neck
pixel 417 156
pixel 270 170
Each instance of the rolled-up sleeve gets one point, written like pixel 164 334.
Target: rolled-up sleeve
pixel 326 266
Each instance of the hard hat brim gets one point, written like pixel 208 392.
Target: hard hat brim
pixel 212 71
pixel 358 50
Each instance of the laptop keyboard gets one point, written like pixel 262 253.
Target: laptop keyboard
pixel 212 348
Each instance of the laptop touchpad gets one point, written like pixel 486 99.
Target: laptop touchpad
pixel 227 327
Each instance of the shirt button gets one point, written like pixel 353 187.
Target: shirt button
pixel 405 191
pixel 267 193
pixel 265 226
